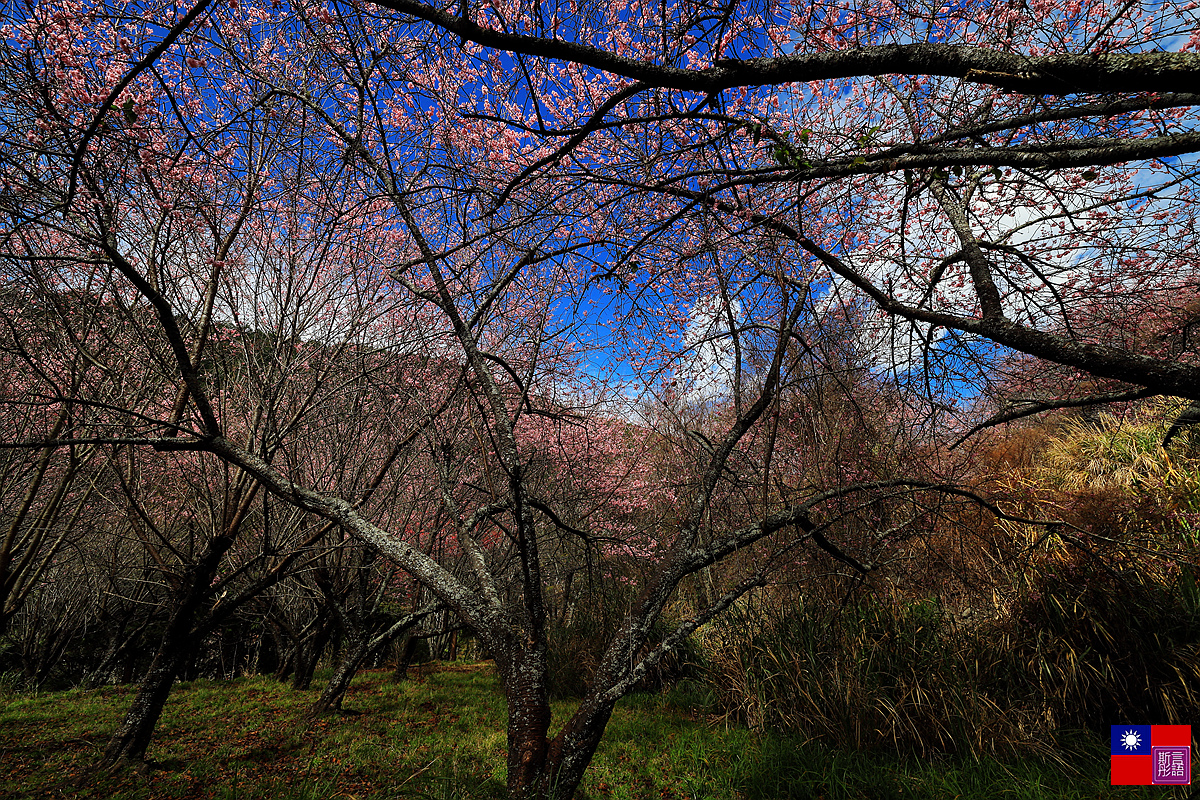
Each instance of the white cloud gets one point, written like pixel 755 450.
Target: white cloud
pixel 707 374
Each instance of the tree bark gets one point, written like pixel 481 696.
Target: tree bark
pixel 532 772
pixel 572 750
pixel 330 700
pixel 539 769
pixel 528 724
pixel 128 745
pixel 129 742
pixel 407 652
pixel 360 649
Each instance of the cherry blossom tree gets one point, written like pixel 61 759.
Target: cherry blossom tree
pixel 509 215
pixel 958 172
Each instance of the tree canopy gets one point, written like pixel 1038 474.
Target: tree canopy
pixel 685 286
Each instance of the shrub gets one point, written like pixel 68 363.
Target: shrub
pixel 876 675
pixel 1100 646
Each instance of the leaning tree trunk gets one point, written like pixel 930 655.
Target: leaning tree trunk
pixel 331 698
pixel 128 745
pixel 571 751
pixel 360 649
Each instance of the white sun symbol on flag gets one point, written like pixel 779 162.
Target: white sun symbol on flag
pixel 1131 740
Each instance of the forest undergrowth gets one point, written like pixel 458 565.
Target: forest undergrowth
pixel 440 735
pixel 993 670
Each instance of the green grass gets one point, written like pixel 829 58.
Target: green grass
pixel 440 736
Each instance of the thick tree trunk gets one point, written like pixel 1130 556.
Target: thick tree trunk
pixel 539 769
pixel 534 767
pixel 528 724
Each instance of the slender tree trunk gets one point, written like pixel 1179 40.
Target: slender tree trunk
pixel 117 644
pixel 564 617
pixel 266 653
pixel 308 654
pixel 361 647
pixel 408 651
pixel 128 745
pixel 572 750
pixel 286 652
pixel 128 670
pixel 330 700
pixel 129 742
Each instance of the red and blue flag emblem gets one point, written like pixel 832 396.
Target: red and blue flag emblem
pixel 1145 755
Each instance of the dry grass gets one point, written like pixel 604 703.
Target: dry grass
pixel 878 676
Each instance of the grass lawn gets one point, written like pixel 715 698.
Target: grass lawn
pixel 441 735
